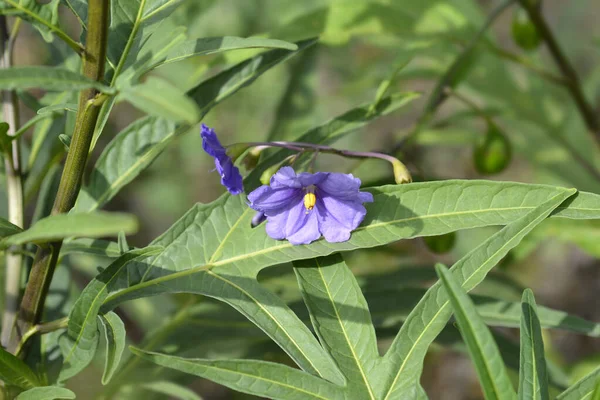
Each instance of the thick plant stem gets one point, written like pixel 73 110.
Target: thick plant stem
pixel 70 182
pixel 573 84
pixel 14 185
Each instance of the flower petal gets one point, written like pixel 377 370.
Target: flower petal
pixel 230 175
pixel 338 217
pixel 210 142
pixel 306 228
pixel 287 178
pixel 271 201
pixel 343 186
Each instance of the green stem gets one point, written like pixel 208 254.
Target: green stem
pixel 70 182
pixel 41 329
pixel 14 185
pixel 573 84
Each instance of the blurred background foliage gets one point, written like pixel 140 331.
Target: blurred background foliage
pixel 536 135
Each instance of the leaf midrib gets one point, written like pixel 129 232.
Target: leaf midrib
pixel 285 245
pixel 343 328
pixel 482 357
pixel 281 327
pixel 431 321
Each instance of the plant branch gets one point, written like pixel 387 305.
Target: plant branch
pixel 70 182
pixel 55 29
pixel 14 183
pixel 573 84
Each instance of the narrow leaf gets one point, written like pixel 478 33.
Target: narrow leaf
pixel 13 371
pixel 70 107
pixel 7 228
pixel 259 378
pixel 173 390
pixel 46 393
pixel 341 318
pixel 48 78
pixel 484 352
pixel 114 334
pixel 582 389
pixel 212 45
pixel 95 224
pixel 404 360
pixel 91 246
pixel 159 98
pixel 533 377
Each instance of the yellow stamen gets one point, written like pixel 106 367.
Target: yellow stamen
pixel 310 200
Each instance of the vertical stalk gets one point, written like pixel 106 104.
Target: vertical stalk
pixel 14 183
pixel 46 258
pixel 573 84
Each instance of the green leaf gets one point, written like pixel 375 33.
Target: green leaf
pixel 13 371
pixel 159 98
pixel 533 378
pixel 495 312
pixel 582 389
pixel 8 229
pixel 91 246
pixel 48 78
pixel 341 318
pixel 596 393
pixel 212 45
pixel 404 360
pixel 46 393
pixel 134 148
pixel 212 250
pixel 132 23
pixel 95 224
pixel 172 390
pixel 484 351
pixel 43 16
pixel 70 107
pixel 224 84
pixel 115 336
pixel 81 339
pixel 260 378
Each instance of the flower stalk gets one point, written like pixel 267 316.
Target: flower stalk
pixel 401 174
pixel 90 102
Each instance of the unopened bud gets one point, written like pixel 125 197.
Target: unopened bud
pixel 401 174
pixel 251 158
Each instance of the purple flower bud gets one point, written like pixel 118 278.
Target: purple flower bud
pixel 230 174
pixel 302 207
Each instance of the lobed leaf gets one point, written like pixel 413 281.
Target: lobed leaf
pixel 341 319
pixel 404 360
pixel 260 378
pixel 484 352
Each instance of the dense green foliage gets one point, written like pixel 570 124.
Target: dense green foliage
pixel 486 106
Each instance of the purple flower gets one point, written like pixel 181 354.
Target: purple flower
pixel 230 174
pixel 302 207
